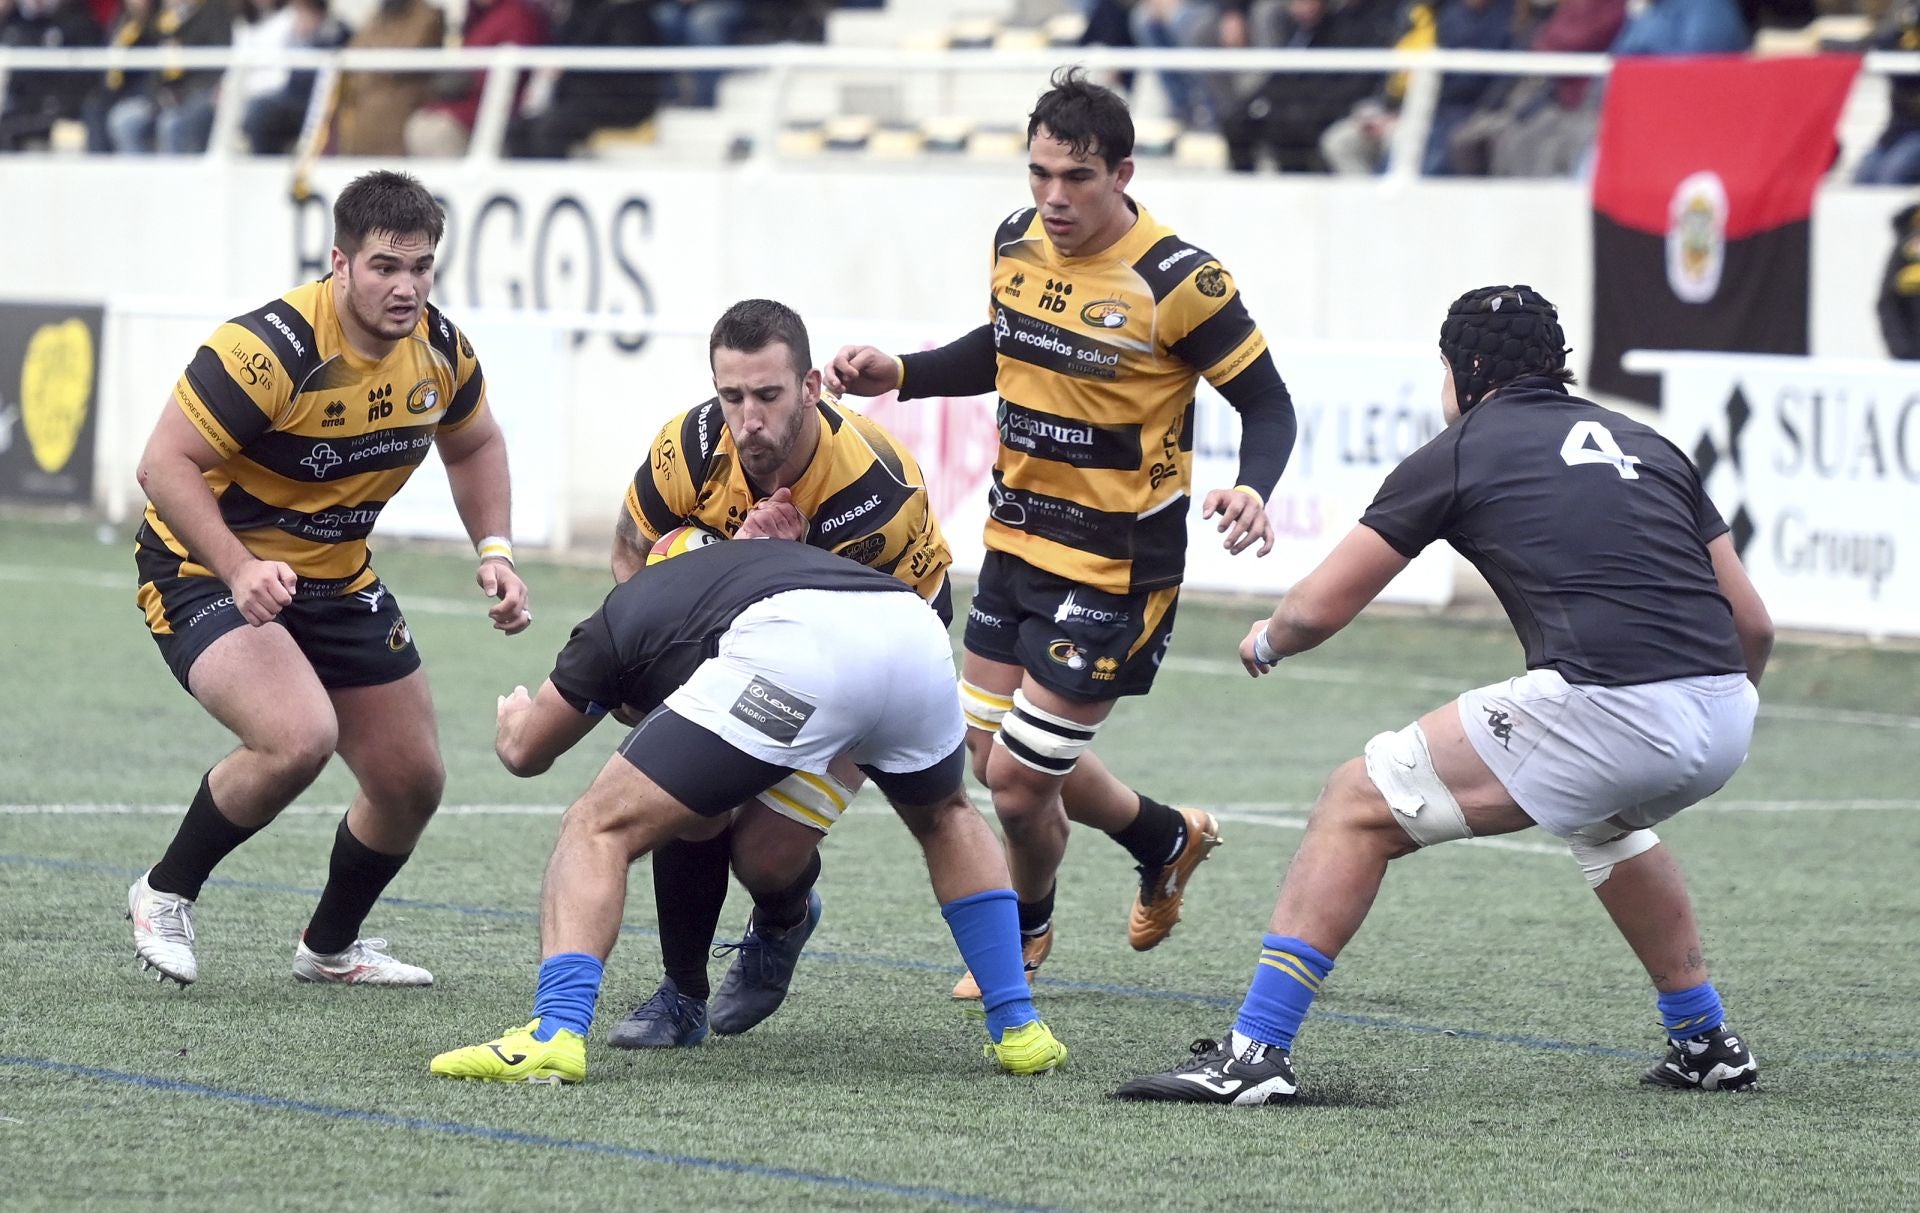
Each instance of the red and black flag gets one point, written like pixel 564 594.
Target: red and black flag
pixel 1702 199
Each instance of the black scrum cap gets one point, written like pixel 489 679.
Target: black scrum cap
pixel 1497 334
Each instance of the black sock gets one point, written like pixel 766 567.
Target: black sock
pixel 356 877
pixel 786 909
pixel 205 837
pixel 1037 916
pixel 689 891
pixel 1153 837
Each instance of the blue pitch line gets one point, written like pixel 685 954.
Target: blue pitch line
pixel 1080 987
pixel 451 1128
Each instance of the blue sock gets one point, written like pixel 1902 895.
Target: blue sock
pixel 1285 983
pixel 1691 1012
pixel 564 996
pixel 986 926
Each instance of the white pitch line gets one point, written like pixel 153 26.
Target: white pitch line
pixel 1337 675
pixel 1289 822
pixel 1820 715
pixel 1806 806
pixel 43 574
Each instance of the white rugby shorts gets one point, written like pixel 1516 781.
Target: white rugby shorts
pixel 1573 755
pixel 810 674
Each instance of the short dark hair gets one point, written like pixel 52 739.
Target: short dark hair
pixel 1084 116
pixel 755 324
pixel 385 201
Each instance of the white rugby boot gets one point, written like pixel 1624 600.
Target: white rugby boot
pixel 364 962
pixel 162 932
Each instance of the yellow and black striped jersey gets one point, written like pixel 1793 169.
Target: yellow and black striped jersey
pixel 1098 358
pixel 863 495
pixel 314 438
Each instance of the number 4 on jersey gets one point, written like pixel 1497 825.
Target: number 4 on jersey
pixel 1591 442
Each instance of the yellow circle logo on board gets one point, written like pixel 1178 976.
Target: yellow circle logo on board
pixel 56 379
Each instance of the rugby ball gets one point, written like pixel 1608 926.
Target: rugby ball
pixel 680 539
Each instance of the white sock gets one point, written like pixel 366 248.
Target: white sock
pixel 1242 1043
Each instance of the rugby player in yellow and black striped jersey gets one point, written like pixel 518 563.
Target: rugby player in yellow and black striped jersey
pixel 768 456
pixel 1100 325
pixel 289 431
pixel 858 493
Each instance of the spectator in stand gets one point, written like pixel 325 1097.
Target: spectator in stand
pixel 1185 24
pixel 374 106
pixel 1108 23
pixel 699 23
pixel 273 120
pixel 1685 27
pixel 444 127
pixel 562 109
pixel 34 101
pixel 173 113
pixel 1895 156
pixel 1286 114
pixel 261 29
pixel 1357 144
pixel 1543 127
pixel 134 29
pixel 1477 25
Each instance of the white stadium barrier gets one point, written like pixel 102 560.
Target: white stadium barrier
pixel 589 285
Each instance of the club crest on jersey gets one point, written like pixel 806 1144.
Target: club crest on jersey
pixel 1068 654
pixel 1211 281
pixel 1105 313
pixel 424 398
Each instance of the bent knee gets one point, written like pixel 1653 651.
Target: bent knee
pixel 298 753
pixel 418 791
pixel 1351 800
pixel 1022 795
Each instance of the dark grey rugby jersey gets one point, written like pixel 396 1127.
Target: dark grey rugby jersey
pixel 1591 528
pixel 656 627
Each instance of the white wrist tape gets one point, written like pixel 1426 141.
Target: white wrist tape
pixel 495 547
pixel 1262 650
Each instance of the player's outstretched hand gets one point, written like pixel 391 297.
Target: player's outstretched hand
pixel 498 580
pixel 1243 518
pixel 1248 657
pixel 261 588
pixel 774 518
pixel 862 370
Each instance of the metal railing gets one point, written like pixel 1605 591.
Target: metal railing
pixel 784 64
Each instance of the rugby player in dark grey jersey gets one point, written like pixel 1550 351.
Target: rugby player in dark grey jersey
pixel 746 661
pixel 1644 643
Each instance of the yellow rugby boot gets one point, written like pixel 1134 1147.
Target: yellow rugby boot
pixel 518 1057
pixel 1030 1048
